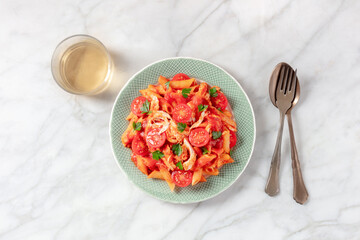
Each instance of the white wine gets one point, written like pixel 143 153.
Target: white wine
pixel 82 65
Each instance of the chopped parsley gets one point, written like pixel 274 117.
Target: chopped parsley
pixel 136 126
pixel 216 134
pixel 167 84
pixel 185 92
pixel 204 150
pixel 157 155
pixel 181 127
pixel 179 165
pixel 145 108
pixel 202 107
pixel 177 149
pixel 213 92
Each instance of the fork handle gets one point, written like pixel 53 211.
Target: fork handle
pixel 272 186
pixel 300 193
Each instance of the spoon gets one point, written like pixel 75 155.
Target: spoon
pixel 300 193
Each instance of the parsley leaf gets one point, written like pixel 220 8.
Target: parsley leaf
pixel 230 153
pixel 216 134
pixel 157 155
pixel 179 165
pixel 181 127
pixel 213 92
pixel 202 107
pixel 185 92
pixel 220 110
pixel 167 84
pixel 136 126
pixel 145 108
pixel 204 150
pixel 177 149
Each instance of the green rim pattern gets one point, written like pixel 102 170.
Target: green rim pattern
pixel 241 107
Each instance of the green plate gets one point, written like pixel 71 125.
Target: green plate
pixel 213 75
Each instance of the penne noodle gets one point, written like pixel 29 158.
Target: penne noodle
pixel 131 116
pixel 203 179
pixel 141 166
pixel 128 135
pixel 197 176
pixel 211 171
pixel 205 159
pixel 149 94
pixel 162 80
pixel 167 177
pixel 226 141
pixel 182 84
pixel 156 174
pixel 224 159
pixel 227 113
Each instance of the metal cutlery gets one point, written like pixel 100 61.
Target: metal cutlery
pixel 300 193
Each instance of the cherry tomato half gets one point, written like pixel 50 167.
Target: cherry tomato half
pixel 136 105
pixel 182 178
pixel 180 76
pixel 232 139
pixel 199 137
pixel 220 101
pixel 182 113
pixel 154 139
pixel 138 146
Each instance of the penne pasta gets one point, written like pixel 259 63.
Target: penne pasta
pixel 156 174
pixel 182 84
pixel 196 176
pixel 167 177
pixel 226 141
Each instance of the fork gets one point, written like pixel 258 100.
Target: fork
pixel 285 92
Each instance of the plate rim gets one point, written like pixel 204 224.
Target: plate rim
pixel 111 138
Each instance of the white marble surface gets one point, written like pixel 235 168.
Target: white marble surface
pixel 58 178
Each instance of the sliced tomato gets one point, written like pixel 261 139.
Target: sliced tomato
pixel 182 113
pixel 199 137
pixel 136 105
pixel 154 139
pixel 139 147
pixel 180 76
pixel 232 139
pixel 218 143
pixel 215 122
pixel 220 101
pixel 182 178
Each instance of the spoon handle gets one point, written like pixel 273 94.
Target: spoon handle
pixel 272 186
pixel 300 193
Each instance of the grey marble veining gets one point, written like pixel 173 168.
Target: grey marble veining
pixel 58 178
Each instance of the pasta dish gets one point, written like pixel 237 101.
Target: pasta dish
pixel 180 130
